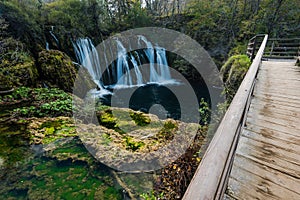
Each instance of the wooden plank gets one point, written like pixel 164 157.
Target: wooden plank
pixel 272 126
pixel 267 160
pixel 283 115
pixel 264 181
pixel 284 122
pixel 273 133
pixel 272 149
pixel 287 91
pixel 275 100
pixel 277 110
pixel 277 96
pixel 279 143
pixel 268 173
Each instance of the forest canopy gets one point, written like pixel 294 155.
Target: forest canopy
pixel 217 25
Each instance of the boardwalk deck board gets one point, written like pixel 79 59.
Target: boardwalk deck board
pixel 267 160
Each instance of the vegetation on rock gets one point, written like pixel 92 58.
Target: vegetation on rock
pixel 17 66
pixel 47 130
pixel 140 118
pixel 233 72
pixel 57 69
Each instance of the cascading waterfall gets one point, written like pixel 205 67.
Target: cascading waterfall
pixel 123 71
pixel 150 55
pixel 87 56
pixel 52 34
pixel 163 69
pixel 138 74
pixel 120 72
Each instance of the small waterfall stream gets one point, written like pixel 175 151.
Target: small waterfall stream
pixel 126 71
pixel 87 56
pixel 53 35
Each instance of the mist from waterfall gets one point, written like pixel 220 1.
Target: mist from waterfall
pixel 127 70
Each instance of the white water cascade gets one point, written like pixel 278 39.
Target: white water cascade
pixel 53 35
pixel 87 56
pixel 126 71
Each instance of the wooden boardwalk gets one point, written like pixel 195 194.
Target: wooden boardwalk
pixel 267 160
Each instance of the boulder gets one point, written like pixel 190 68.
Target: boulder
pixel 57 69
pixel 17 66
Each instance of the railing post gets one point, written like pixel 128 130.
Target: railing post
pixel 253 50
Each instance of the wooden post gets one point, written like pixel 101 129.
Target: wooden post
pixel 253 50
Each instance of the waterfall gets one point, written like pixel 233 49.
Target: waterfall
pixel 163 69
pixel 138 74
pixel 54 37
pixel 87 56
pixel 150 55
pixel 123 71
pixel 126 70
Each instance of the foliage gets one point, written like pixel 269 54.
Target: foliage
pixel 168 130
pixel 204 111
pixel 17 66
pixel 151 196
pixel 23 17
pixel 132 144
pixel 43 102
pixel 107 119
pixel 140 118
pixel 233 72
pixel 137 16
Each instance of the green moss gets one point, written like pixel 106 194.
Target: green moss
pixel 106 139
pixel 61 174
pixel 168 130
pixel 57 69
pixel 233 72
pixel 5 82
pixel 107 119
pixel 133 144
pixel 140 118
pixel 17 66
pixel 47 130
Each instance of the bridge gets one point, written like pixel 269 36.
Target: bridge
pixel 255 152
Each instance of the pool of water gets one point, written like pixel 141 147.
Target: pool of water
pixel 67 171
pixel 179 101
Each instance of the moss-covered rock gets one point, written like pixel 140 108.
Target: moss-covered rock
pixel 233 72
pixel 5 83
pixel 128 143
pixel 47 130
pixel 17 66
pixel 57 69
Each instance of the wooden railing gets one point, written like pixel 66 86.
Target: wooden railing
pixel 253 44
pixel 276 48
pixel 211 177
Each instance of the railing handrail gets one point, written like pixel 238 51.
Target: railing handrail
pixel 211 176
pixel 278 47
